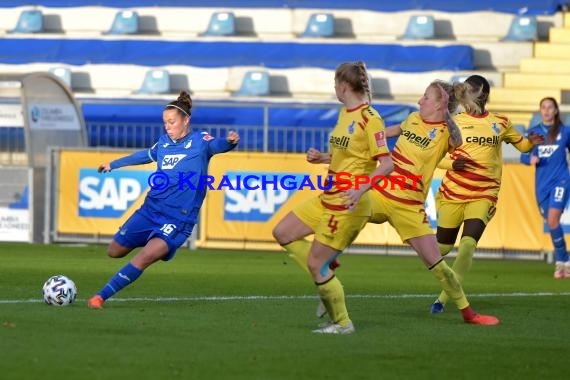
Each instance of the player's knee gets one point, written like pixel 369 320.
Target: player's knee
pixel 278 235
pixel 553 223
pixel 115 250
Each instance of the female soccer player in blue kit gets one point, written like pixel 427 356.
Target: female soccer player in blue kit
pixel 170 210
pixel 552 178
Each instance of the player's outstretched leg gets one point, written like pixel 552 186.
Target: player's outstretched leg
pixel 127 275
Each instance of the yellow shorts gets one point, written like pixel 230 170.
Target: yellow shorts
pixel 335 229
pixel 409 221
pixel 452 214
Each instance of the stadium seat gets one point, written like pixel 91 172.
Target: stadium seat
pixel 30 21
pixel 63 73
pixel 523 28
pixel 566 120
pixel 156 81
pixel 319 25
pixel 255 83
pixel 462 77
pixel 520 128
pixel 221 24
pixel 458 78
pixel 535 119
pixel 125 22
pixel 420 27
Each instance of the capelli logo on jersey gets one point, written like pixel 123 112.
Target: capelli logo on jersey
pixel 484 141
pixel 339 142
pixel 422 141
pixel 171 160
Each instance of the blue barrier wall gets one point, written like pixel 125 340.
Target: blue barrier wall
pixel 536 7
pixel 222 54
pixel 289 128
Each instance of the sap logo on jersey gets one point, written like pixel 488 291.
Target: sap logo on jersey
pixel 545 151
pixel 170 160
pixel 109 195
pixel 260 199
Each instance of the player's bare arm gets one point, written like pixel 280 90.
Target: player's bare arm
pixel 455 139
pixel 314 156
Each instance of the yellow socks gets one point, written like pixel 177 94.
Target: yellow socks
pixel 332 295
pixel 444 249
pixel 450 284
pixel 298 250
pixel 462 263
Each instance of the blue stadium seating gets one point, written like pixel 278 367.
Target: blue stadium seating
pixel 458 78
pixel 535 119
pixel 394 57
pixel 63 73
pixel 420 27
pixel 319 25
pixel 30 21
pixel 125 22
pixel 156 81
pixel 221 24
pixel 535 7
pixel 522 28
pixel 255 83
pixel 520 129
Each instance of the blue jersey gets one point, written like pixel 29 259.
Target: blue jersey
pixel 552 167
pixel 177 188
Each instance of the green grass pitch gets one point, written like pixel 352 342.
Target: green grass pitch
pixel 211 314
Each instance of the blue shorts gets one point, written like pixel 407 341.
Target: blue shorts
pixel 557 198
pixel 143 226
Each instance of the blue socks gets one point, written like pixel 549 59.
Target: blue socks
pixel 126 275
pixel 560 253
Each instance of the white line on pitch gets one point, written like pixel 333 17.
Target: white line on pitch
pixel 285 297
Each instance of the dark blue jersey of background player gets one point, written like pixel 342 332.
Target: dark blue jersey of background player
pixel 552 178
pixel 177 187
pixel 170 210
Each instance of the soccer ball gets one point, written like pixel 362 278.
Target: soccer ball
pixel 59 291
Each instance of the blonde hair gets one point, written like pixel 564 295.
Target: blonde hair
pixel 356 75
pixel 449 88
